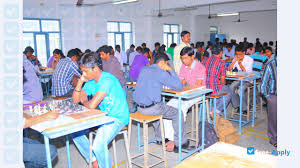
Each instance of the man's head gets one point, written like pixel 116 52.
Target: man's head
pixel 245 39
pixel 217 50
pixel 143 45
pixel 199 46
pixel 224 40
pixel 229 47
pixel 210 46
pixel 157 45
pixel 192 45
pixel 162 49
pixel 80 53
pixel 146 52
pixel 58 54
pixel 139 49
pixel 217 40
pixel 132 47
pixel 239 52
pixel 185 36
pixel 271 43
pixel 118 48
pixel 91 65
pixel 73 54
pixel 161 60
pixel 104 52
pixel 257 39
pixel 268 52
pixel 173 45
pixel 251 45
pixel 187 56
pixel 28 52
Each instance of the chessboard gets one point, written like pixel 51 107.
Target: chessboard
pixel 64 107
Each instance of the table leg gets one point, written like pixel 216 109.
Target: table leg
pixel 139 137
pixel 203 121
pixel 68 151
pixel 254 103
pixel 224 104
pixel 241 107
pixel 48 155
pixel 179 127
pixel 215 109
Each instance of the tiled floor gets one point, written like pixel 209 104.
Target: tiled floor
pixel 256 137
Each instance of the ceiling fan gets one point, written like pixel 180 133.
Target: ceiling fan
pixel 160 14
pixel 239 20
pixel 209 15
pixel 80 3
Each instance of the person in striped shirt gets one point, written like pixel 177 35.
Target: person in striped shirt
pixel 269 91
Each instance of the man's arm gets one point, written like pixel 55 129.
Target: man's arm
pixel 52 115
pixel 232 64
pixel 170 78
pixel 241 66
pixel 97 98
pixel 265 81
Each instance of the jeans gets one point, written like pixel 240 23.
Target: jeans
pixel 236 98
pixel 219 101
pixel 34 153
pixel 105 134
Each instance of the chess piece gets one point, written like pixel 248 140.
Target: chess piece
pixel 30 109
pixel 35 110
pixel 45 109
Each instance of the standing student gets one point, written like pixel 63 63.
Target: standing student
pixel 156 47
pixel 129 51
pixel 109 96
pixel 186 38
pixel 120 55
pixel 147 95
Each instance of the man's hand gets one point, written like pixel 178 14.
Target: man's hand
pixel 83 79
pixel 184 82
pixel 51 115
pixel 83 97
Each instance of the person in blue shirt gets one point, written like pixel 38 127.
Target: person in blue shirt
pixel 108 95
pixel 147 96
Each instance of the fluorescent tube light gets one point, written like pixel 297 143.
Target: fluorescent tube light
pixel 227 14
pixel 122 2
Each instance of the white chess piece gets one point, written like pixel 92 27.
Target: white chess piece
pixel 44 109
pixel 35 110
pixel 30 109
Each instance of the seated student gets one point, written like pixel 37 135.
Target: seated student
pixel 28 53
pixel 192 73
pixel 111 63
pixel 243 63
pixel 34 154
pixel 133 54
pixel 162 49
pixel 201 53
pixel 228 52
pixel 251 49
pixel 53 61
pixel 64 74
pixel 138 63
pixel 215 78
pixel 109 96
pixel 32 90
pixel 147 95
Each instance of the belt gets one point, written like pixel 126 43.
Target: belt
pixel 143 106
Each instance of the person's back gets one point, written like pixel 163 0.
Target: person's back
pixel 113 67
pixel 63 75
pixel 138 63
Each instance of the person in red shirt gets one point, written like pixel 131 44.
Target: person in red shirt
pixel 215 78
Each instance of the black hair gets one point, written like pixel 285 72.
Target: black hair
pixel 173 45
pixel 183 33
pixel 229 45
pixel 217 39
pixel 250 45
pixel 72 53
pixel 144 44
pixel 160 57
pixel 132 46
pixel 87 51
pixel 28 49
pixel 271 43
pixel 58 51
pixel 187 50
pixel 162 48
pixel 110 49
pixel 117 46
pixel 265 44
pixel 90 60
pixel 106 49
pixel 269 48
pixel 192 44
pixel 146 50
pixel 78 50
pixel 139 48
pixel 239 48
pixel 216 50
pixel 257 39
pixel 198 44
pixel 157 44
pixel 24 77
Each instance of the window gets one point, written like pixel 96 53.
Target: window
pixel 213 30
pixel 44 35
pixel 119 33
pixel 171 34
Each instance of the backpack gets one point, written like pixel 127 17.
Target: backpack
pixel 210 135
pixel 225 131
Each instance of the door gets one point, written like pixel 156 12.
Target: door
pixel 119 37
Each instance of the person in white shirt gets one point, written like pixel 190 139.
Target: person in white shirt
pixel 243 63
pixel 120 55
pixel 186 38
pixel 209 50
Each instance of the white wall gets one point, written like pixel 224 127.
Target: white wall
pixel 259 24
pixel 85 27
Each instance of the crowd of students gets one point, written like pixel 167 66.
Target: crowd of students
pixel 95 79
